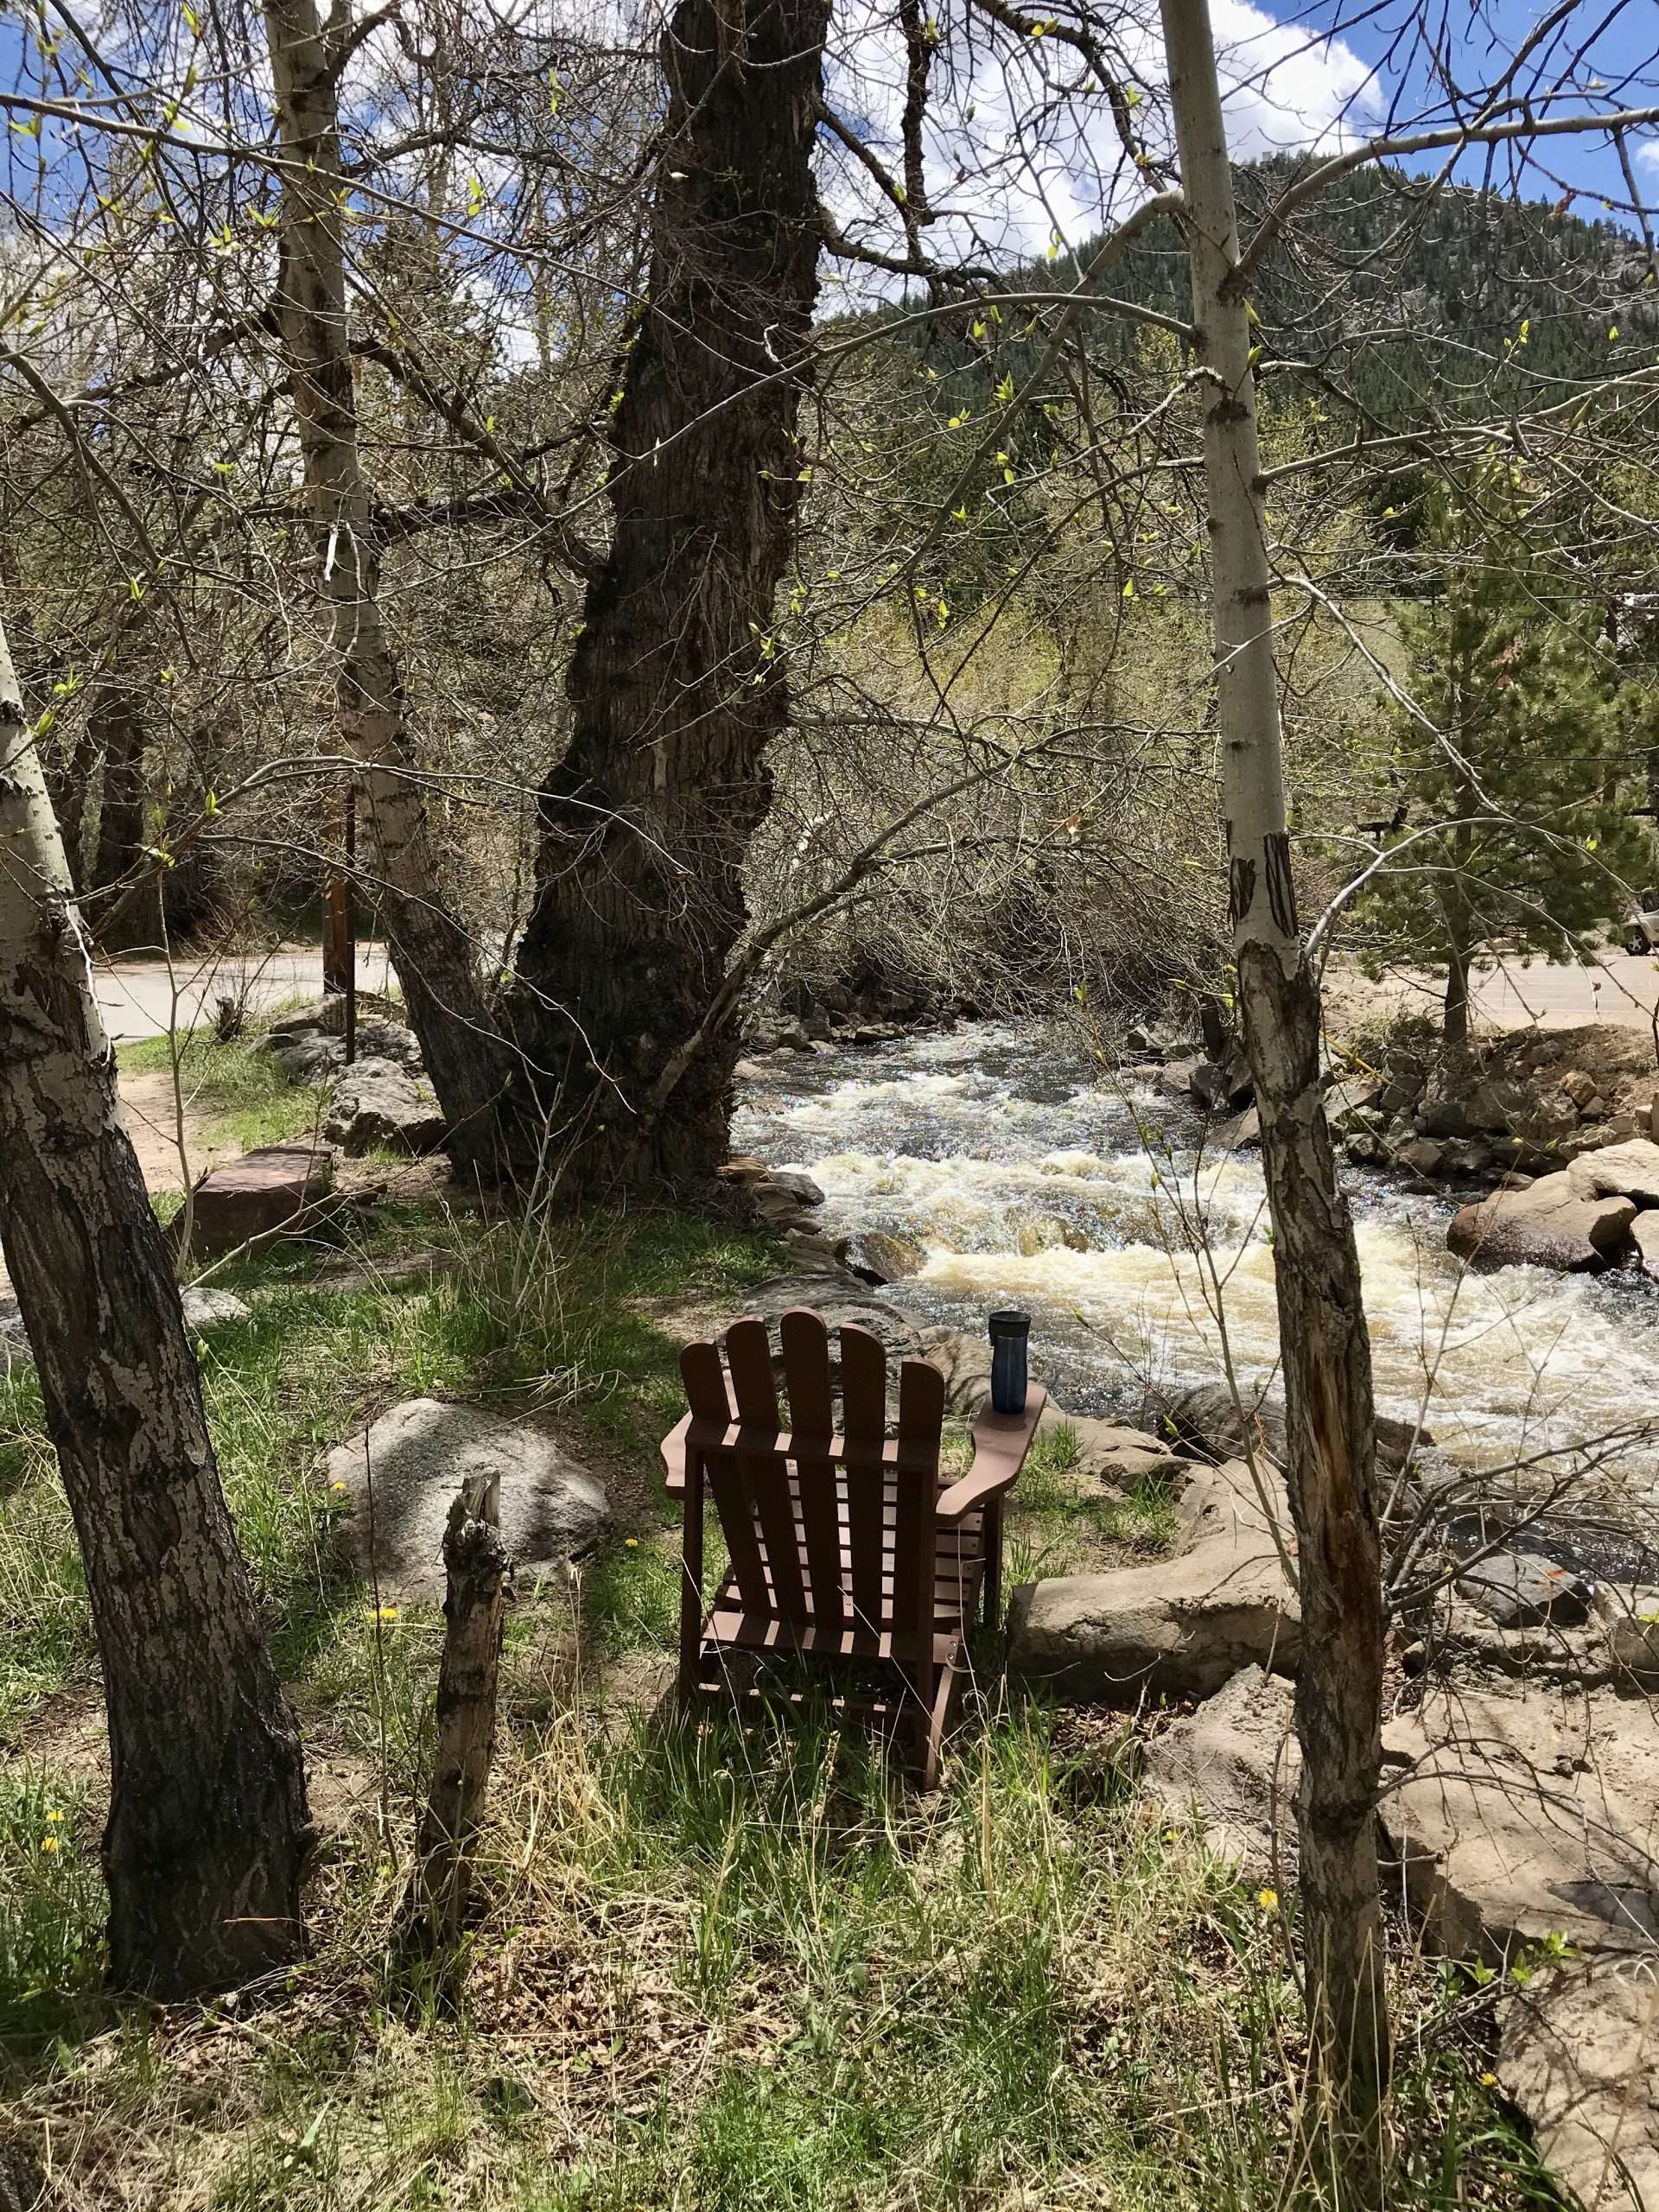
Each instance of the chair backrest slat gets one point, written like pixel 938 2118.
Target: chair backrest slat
pixel 921 1416
pixel 864 1423
pixel 811 1416
pixel 850 1539
pixel 710 1398
pixel 763 1472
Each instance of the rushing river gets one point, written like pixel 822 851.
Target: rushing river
pixel 1032 1179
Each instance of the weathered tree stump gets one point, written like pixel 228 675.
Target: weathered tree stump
pixel 480 1573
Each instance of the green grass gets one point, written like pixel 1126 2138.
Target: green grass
pixel 734 1969
pixel 249 1099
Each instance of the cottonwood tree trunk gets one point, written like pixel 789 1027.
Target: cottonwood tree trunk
pixel 207 1830
pixel 675 689
pixel 466 1056
pixel 1324 1343
pixel 118 736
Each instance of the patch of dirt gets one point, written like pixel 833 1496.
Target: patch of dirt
pixel 149 1109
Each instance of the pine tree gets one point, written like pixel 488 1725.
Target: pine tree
pixel 1514 829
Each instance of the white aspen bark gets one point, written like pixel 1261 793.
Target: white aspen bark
pixel 207 1832
pixel 1325 1346
pixel 465 1055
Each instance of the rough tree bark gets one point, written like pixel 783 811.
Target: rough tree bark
pixel 675 689
pixel 478 1571
pixel 468 1061
pixel 1323 1338
pixel 207 1830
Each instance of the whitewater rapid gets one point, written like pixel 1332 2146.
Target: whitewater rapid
pixel 1032 1176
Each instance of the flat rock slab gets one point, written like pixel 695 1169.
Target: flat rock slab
pixel 276 1190
pixel 1234 1764
pixel 1551 1223
pixel 418 1455
pixel 1577 2053
pixel 1178 1628
pixel 1516 1816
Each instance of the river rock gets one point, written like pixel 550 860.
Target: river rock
pixel 1178 1628
pixel 1521 1590
pixel 1628 1171
pixel 418 1455
pixel 879 1256
pixel 1549 1225
pixel 1174 1079
pixel 1234 1764
pixel 799 1184
pixel 379 1106
pixel 1206 1418
pixel 278 1190
pixel 1217 1084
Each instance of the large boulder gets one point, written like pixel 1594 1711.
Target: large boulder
pixel 1551 1223
pixel 1206 1419
pixel 379 1106
pixel 1234 1763
pixel 1628 1171
pixel 309 1045
pixel 280 1190
pixel 1576 2053
pixel 1179 1628
pixel 1104 1452
pixel 1519 1814
pixel 402 1474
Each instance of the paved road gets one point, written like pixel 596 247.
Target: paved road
pixel 137 996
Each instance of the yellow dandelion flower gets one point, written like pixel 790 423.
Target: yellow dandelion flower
pixel 1268 1899
pixel 54 1814
pixel 383 1613
pixel 48 1843
pixel 1489 2080
pixel 630 1544
pixel 337 1485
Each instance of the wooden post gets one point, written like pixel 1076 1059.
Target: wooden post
pixel 480 1571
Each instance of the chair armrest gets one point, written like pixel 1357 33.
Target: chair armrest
pixel 673 1451
pixel 1001 1443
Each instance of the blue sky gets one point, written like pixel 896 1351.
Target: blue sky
pixel 1425 57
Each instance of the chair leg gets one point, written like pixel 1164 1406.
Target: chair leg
pixel 935 1720
pixel 691 1586
pixel 992 1537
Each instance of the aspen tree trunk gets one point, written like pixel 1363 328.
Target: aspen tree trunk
pixel 1324 1343
pixel 675 689
pixel 466 1056
pixel 207 1830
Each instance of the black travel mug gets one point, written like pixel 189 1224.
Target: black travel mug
pixel 1009 1335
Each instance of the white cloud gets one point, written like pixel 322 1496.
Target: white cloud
pixel 1019 158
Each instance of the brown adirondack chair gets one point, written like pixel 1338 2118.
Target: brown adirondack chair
pixel 844 1546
